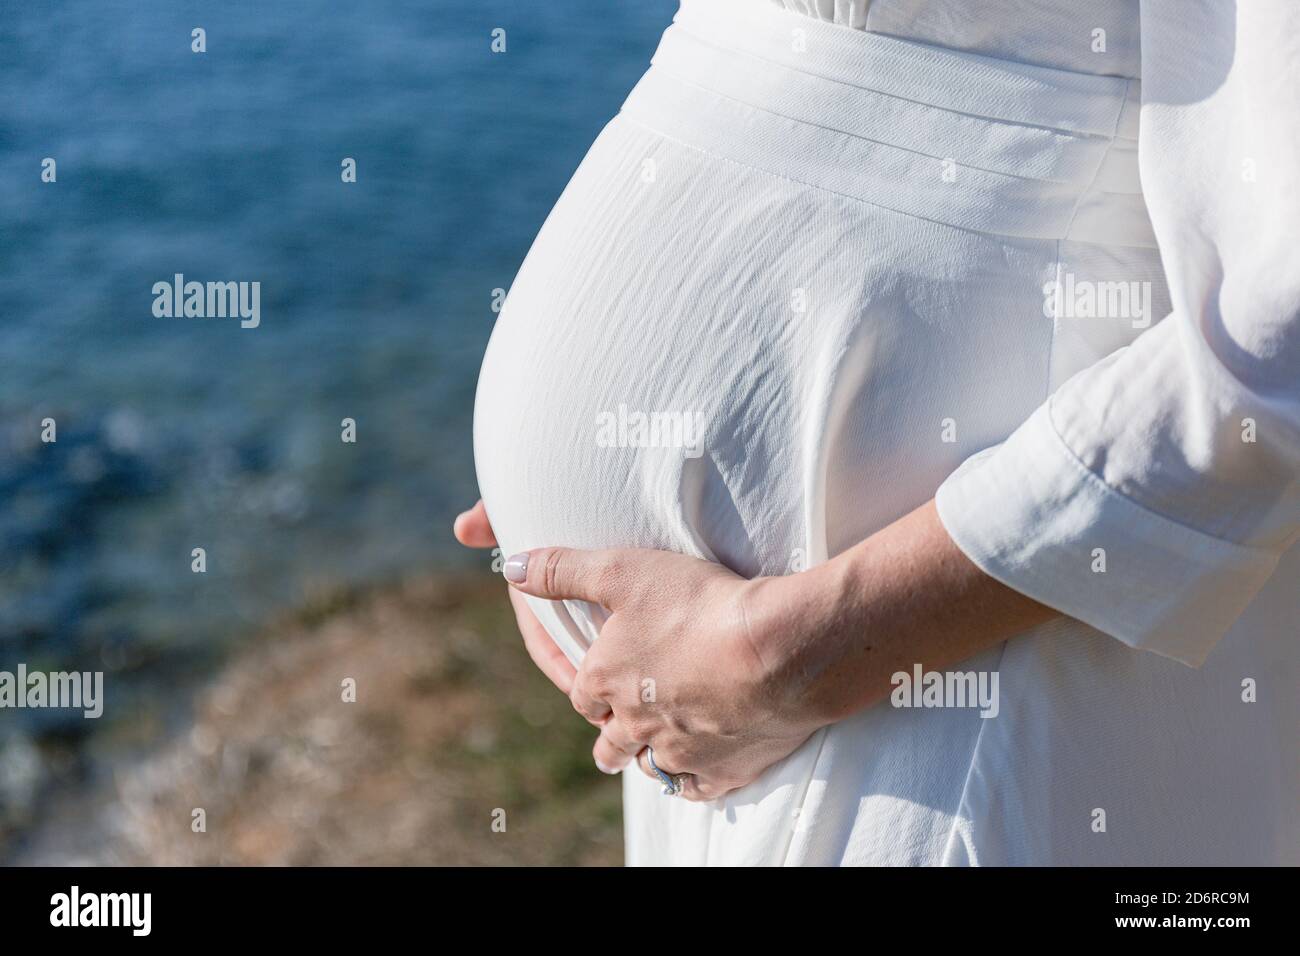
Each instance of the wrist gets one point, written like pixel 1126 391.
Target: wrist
pixel 840 644
pixel 805 628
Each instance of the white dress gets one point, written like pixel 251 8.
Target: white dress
pixel 879 252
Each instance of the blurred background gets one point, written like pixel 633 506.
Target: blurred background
pixel 325 560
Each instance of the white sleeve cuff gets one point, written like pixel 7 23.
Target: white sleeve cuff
pixel 1031 515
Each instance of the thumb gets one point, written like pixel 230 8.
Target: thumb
pixel 569 573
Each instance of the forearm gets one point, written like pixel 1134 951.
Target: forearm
pixel 904 596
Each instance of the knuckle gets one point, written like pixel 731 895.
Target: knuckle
pixel 607 750
pixel 581 704
pixel 682 725
pixel 686 755
pixel 640 729
pixel 695 792
pixel 618 732
pixel 702 791
pixel 595 679
pixel 552 567
pixel 591 690
pixel 616 742
pixel 670 758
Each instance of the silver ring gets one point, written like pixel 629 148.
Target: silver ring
pixel 672 784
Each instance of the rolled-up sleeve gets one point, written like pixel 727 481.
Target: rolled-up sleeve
pixel 1152 495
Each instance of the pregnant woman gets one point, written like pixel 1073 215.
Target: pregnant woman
pixel 895 431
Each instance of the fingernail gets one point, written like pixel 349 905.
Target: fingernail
pixel 609 770
pixel 516 569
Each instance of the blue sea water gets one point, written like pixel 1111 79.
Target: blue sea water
pixel 177 433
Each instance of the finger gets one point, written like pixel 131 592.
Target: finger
pixel 695 788
pixel 614 750
pixel 586 702
pixel 643 761
pixel 620 739
pixel 557 573
pixel 701 789
pixel 472 528
pixel 550 660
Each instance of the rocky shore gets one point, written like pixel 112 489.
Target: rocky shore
pixel 398 725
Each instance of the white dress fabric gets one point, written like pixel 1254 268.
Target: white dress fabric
pixel 855 244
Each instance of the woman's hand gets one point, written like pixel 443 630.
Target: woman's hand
pixel 683 663
pixel 724 677
pixel 675 664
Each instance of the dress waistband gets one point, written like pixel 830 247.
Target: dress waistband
pixel 973 142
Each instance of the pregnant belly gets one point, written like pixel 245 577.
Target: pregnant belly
pixel 716 361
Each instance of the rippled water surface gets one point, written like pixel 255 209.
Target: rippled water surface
pixel 375 299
